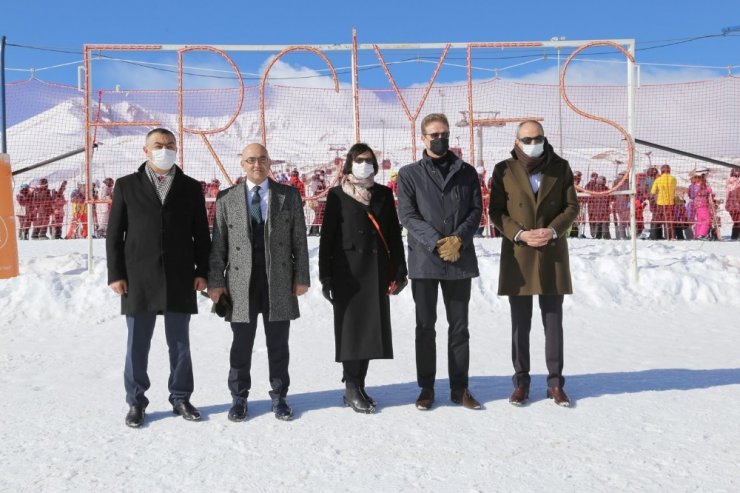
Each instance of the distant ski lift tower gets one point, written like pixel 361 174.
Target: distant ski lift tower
pixel 480 122
pixel 337 148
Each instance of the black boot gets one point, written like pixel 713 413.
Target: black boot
pixel 354 399
pixel 367 397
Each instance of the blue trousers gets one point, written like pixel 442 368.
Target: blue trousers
pixel 135 377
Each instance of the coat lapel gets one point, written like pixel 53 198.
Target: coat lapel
pixel 175 187
pixel 241 217
pixel 546 184
pixel 277 200
pixel 522 179
pixel 147 186
pixel 376 201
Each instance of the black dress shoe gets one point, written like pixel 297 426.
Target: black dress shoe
pixel 519 396
pixel 355 399
pixel 282 410
pixel 186 410
pixel 135 417
pixel 238 411
pixel 425 400
pixel 464 397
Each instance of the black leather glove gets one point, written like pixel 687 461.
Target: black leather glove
pixel 327 289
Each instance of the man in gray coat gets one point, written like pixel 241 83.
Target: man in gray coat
pixel 439 202
pixel 259 258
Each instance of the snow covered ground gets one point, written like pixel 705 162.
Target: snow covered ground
pixel 653 369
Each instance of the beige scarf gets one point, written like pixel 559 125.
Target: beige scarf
pixel 358 188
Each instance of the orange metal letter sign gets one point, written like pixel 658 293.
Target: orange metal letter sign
pixel 627 137
pixel 412 118
pixel 203 133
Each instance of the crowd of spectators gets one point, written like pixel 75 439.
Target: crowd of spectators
pixel 675 212
pixel 681 213
pixel 43 211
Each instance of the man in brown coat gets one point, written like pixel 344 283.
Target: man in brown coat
pixel 533 202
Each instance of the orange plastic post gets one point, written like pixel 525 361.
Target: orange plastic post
pixel 8 241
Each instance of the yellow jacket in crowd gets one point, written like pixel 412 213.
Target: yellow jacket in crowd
pixel 665 189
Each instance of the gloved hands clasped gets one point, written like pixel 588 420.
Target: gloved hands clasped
pixel 448 248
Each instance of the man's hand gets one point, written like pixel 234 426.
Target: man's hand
pixel 536 237
pixel 448 248
pixel 300 289
pixel 200 284
pixel 120 286
pixel 215 293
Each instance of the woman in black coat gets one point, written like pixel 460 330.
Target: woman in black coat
pixel 361 262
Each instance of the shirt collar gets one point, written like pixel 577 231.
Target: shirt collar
pixel 170 171
pixel 263 186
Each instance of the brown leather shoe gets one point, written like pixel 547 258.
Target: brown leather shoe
pixel 519 396
pixel 559 396
pixel 464 397
pixel 425 400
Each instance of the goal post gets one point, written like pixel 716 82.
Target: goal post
pixel 301 126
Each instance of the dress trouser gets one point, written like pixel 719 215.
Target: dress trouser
pixel 456 296
pixel 276 335
pixel 355 371
pixel 551 308
pixel 135 377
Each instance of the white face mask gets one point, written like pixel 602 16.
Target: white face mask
pixel 362 170
pixel 163 158
pixel 533 150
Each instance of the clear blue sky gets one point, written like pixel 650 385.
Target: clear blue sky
pixel 67 25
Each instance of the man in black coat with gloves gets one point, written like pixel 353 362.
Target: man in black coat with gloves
pixel 157 249
pixel 439 202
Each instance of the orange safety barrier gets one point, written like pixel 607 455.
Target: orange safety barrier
pixel 8 243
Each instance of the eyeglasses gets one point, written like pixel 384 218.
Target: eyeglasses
pixel 262 160
pixel 529 140
pixel 439 135
pixel 366 160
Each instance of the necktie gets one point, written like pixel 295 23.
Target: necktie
pixel 255 210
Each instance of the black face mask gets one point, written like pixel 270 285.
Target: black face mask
pixel 439 146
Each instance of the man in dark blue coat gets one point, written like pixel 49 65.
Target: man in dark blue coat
pixel 157 249
pixel 439 202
